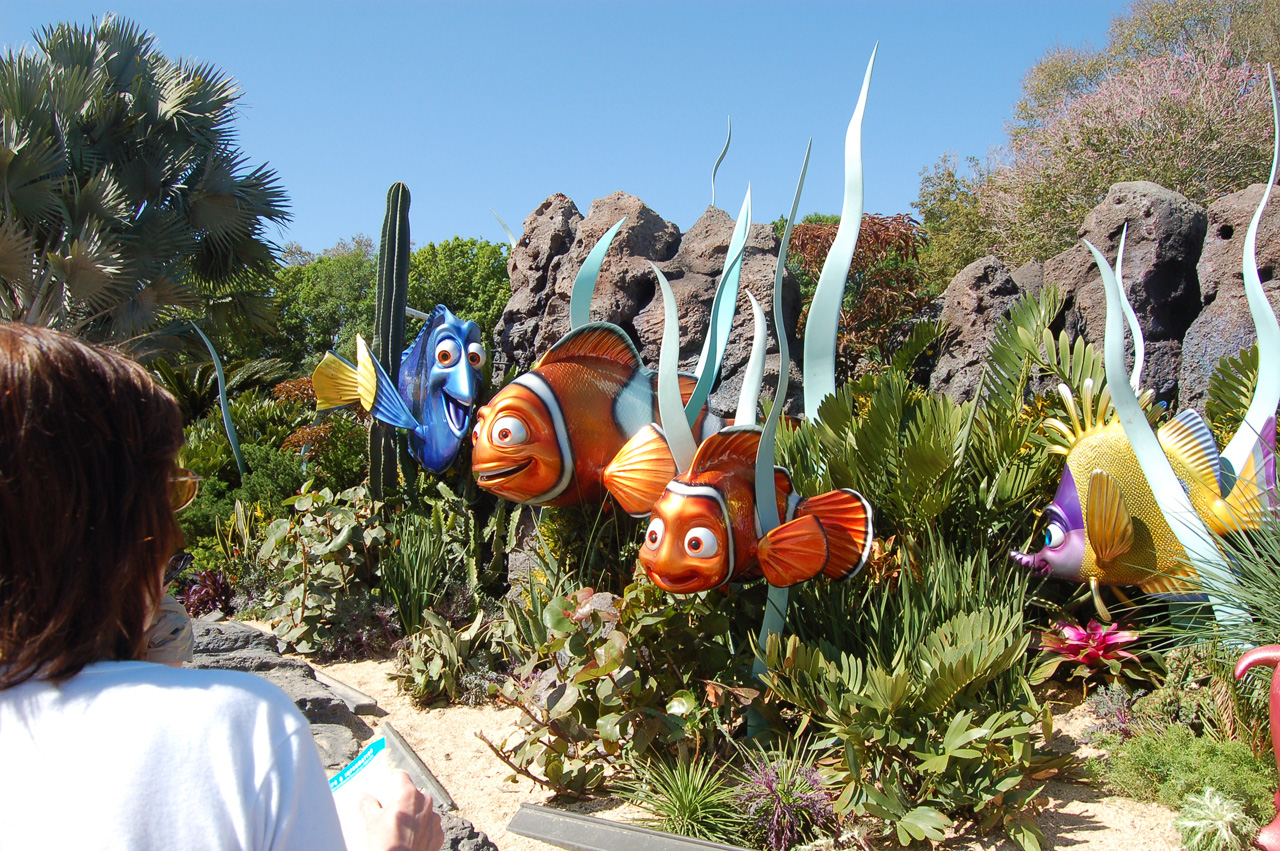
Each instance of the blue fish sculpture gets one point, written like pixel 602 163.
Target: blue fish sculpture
pixel 434 399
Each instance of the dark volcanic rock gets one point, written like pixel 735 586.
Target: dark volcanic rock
pixel 556 242
pixel 1166 232
pixel 1224 325
pixel 461 835
pixel 978 297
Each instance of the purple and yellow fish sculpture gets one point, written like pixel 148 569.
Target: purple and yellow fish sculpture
pixel 705 531
pixel 1105 525
pixel 440 380
pixel 546 438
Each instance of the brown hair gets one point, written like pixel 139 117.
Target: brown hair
pixel 87 444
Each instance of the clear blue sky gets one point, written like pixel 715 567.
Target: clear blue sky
pixel 488 104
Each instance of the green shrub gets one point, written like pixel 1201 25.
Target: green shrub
pixel 619 679
pixel 1211 821
pixel 784 798
pixel 1167 765
pixel 441 664
pixel 323 552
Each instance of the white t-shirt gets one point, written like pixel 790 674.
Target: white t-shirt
pixel 138 756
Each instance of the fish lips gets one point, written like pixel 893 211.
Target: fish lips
pixel 493 477
pixel 457 413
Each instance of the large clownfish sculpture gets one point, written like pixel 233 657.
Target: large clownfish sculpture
pixel 440 380
pixel 1138 508
pixel 546 437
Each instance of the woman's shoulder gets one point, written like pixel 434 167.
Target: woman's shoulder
pixel 235 696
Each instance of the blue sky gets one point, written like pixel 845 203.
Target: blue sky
pixel 498 105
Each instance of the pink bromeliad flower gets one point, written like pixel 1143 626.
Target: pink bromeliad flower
pixel 1092 645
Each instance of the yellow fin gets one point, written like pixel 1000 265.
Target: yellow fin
pixel 1245 508
pixel 1107 522
pixel 596 340
pixel 793 552
pixel 639 473
pixel 1187 438
pixel 1097 601
pixel 366 375
pixel 335 383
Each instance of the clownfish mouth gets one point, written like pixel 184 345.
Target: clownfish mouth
pixel 493 476
pixel 686 582
pixel 456 413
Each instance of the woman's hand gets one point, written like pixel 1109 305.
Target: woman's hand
pixel 404 821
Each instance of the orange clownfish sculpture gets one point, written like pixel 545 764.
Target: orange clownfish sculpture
pixel 546 437
pixel 705 531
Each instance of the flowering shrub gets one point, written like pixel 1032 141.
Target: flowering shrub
pixel 1195 121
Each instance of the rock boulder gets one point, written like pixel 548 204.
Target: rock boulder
pixel 1224 325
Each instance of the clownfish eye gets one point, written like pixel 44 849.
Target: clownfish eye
pixel 701 543
pixel 508 431
pixel 1054 536
pixel 476 355
pixel 448 352
pixel 653 537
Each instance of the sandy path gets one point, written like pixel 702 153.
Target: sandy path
pixel 1077 817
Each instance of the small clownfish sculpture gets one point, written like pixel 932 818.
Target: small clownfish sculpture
pixel 440 379
pixel 1105 526
pixel 546 437
pixel 705 531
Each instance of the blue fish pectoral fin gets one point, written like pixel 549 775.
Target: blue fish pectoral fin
pixel 793 552
pixel 378 392
pixel 1106 518
pixel 335 382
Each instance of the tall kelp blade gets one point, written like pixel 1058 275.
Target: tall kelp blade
pixel 824 313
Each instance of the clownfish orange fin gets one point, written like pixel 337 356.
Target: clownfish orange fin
pixel 336 383
pixel 793 552
pixel 594 340
pixel 1107 522
pixel 846 518
pixel 737 443
pixel 1187 439
pixel 640 471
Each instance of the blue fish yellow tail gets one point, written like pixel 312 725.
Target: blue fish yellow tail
pixel 846 517
pixel 336 383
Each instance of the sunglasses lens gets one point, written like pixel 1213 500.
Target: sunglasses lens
pixel 183 488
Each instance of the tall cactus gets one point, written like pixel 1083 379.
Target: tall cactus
pixel 386 449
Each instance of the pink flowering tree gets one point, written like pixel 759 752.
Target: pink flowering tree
pixel 1197 120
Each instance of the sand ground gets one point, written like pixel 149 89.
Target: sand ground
pixel 1077 816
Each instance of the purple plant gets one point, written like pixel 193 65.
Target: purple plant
pixel 785 799
pixel 206 591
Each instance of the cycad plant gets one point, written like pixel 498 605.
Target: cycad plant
pixel 123 197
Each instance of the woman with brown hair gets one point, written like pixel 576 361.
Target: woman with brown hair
pixel 98 749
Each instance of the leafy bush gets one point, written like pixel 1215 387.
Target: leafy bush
pixel 204 592
pixel 1166 765
pixel 689 798
pixel 620 679
pixel 323 552
pixel 922 698
pixel 440 663
pixel 1211 821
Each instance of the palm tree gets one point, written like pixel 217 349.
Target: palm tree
pixel 124 202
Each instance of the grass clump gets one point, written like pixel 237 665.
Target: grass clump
pixel 696 798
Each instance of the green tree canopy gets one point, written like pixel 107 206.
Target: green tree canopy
pixel 324 301
pixel 124 201
pixel 466 275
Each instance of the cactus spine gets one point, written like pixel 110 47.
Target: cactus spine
pixel 385 447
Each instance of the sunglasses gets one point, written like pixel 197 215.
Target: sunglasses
pixel 183 487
